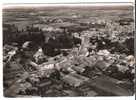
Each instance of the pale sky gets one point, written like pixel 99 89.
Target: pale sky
pixel 61 1
pixel 18 3
pixel 84 4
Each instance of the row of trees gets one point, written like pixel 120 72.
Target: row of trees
pixel 37 37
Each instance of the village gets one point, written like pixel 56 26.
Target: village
pixel 69 56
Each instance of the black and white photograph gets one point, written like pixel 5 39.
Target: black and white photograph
pixel 73 50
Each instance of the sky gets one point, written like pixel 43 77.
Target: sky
pixel 61 1
pixel 29 3
pixel 9 5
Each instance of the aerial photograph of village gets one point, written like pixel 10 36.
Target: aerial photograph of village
pixel 68 51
